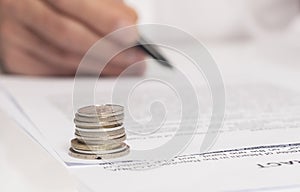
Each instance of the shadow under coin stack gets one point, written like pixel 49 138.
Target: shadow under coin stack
pixel 99 133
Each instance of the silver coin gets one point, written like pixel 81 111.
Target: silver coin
pixel 106 141
pixel 75 144
pixel 97 130
pixel 100 110
pixel 100 138
pixel 86 125
pixel 101 152
pixel 100 134
pixel 97 119
pixel 107 115
pixel 75 154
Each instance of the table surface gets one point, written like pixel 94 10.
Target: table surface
pixel 25 161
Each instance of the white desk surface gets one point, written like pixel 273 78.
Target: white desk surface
pixel 25 165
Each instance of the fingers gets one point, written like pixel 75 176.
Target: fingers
pixel 63 32
pixel 17 35
pixel 13 33
pixel 22 63
pixel 38 40
pixel 103 16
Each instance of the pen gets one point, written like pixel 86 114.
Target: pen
pixel 144 45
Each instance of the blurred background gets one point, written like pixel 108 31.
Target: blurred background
pixel 270 28
pixel 242 31
pixel 220 20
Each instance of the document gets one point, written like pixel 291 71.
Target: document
pixel 260 136
pixel 256 149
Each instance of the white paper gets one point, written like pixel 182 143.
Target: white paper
pixel 257 148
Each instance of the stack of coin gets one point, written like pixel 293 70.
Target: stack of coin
pixel 99 132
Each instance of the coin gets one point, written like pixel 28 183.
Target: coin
pixel 97 125
pixel 75 144
pixel 101 152
pixel 97 130
pixel 100 138
pixel 100 133
pixel 89 141
pixel 100 110
pixel 119 117
pixel 98 157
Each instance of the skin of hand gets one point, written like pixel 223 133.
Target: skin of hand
pixel 50 37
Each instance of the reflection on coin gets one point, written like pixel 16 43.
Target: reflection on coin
pixel 101 152
pixel 89 141
pixel 94 138
pixel 75 144
pixel 118 117
pixel 97 125
pixel 100 110
pixel 95 156
pixel 100 133
pixel 97 130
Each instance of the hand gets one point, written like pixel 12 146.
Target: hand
pixel 50 37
